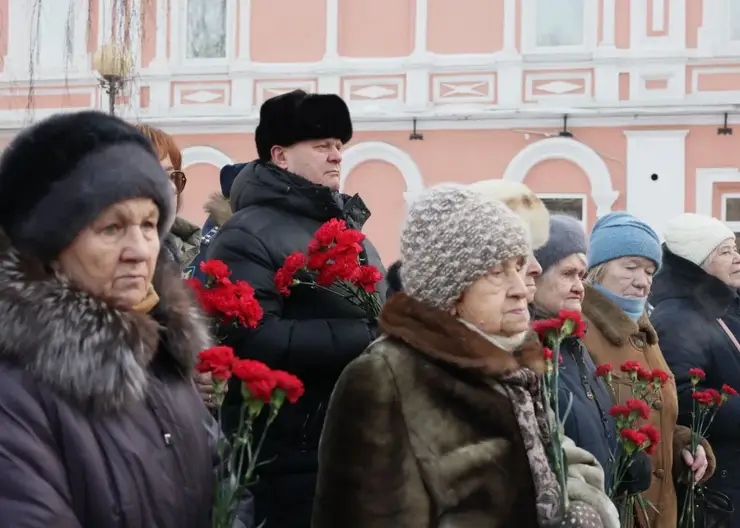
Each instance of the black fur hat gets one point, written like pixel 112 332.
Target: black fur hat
pixel 58 175
pixel 297 116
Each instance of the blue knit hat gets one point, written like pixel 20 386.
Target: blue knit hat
pixel 619 235
pixel 567 238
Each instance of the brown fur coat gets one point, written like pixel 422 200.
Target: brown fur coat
pixel 417 436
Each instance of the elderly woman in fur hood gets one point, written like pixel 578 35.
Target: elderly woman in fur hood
pixel 440 422
pixel 101 423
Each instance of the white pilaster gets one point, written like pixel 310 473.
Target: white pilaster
pixel 606 82
pixel 160 49
pixel 656 170
pixel 244 28
pixel 417 88
pixel 510 26
pixel 420 27
pixel 709 31
pixel 509 84
pixel 332 30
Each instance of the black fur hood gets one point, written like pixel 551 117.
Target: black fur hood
pixel 82 348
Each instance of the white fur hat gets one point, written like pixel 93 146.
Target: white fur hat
pixel 520 199
pixel 694 236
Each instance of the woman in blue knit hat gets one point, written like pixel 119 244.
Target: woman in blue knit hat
pixel 624 254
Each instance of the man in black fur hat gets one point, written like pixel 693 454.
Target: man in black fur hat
pixel 278 203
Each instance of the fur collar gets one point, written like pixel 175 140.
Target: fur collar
pixel 612 322
pixel 88 352
pixel 219 208
pixel 442 337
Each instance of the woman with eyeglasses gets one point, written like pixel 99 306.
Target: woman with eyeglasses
pixel 183 241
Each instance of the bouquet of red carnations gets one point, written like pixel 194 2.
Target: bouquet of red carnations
pixel 552 333
pixel 705 406
pixel 332 263
pixel 633 436
pixel 263 390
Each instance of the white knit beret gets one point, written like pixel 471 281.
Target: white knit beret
pixel 452 237
pixel 520 199
pixel 694 236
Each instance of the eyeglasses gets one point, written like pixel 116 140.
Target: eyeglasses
pixel 179 179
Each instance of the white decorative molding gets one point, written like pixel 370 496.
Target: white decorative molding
pixel 382 151
pixel 244 30
pixel 734 225
pixel 705 182
pixel 658 16
pixel 674 39
pixel 464 89
pixel 608 23
pixel 558 86
pixel 200 94
pixel 674 76
pixel 602 192
pixel 510 26
pixel 267 89
pixel 373 90
pixel 727 96
pixel 206 155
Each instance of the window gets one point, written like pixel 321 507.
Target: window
pixel 206 29
pixel 734 20
pixel 570 204
pixel 731 210
pixel 560 23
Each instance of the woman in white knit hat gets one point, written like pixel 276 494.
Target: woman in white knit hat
pixel 697 318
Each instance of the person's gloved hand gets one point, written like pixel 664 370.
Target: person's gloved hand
pixel 639 475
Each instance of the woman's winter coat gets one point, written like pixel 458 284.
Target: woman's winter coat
pixel 312 334
pixel 421 433
pixel 613 338
pixel 219 211
pixel 101 423
pixel 687 306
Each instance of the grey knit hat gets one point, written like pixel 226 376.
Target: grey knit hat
pixel 453 236
pixel 567 237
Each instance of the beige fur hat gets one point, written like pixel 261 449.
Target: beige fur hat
pixel 520 199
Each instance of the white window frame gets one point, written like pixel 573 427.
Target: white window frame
pixel 718 28
pixel 735 226
pixel 570 196
pixel 529 30
pixel 179 27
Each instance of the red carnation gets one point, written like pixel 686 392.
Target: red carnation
pixel 215 269
pixel 644 374
pixel 326 234
pixel 367 278
pixel 545 327
pixel 217 360
pixel 603 371
pixel 635 439
pixel 638 406
pixel 697 375
pixel 547 354
pixel 350 237
pixel 729 391
pixel 285 276
pixel 660 376
pixel 289 384
pixel 620 411
pixel 631 366
pixel 572 322
pixel 703 397
pixel 715 395
pixel 653 436
pixel 258 379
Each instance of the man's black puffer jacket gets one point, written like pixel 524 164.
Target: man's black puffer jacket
pixel 312 333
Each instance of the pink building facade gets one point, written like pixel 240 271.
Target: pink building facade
pixel 597 105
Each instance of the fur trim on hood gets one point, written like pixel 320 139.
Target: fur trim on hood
pixel 219 208
pixel 88 352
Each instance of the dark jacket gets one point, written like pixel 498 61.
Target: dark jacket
pixel 687 303
pixel 219 210
pixel 393 278
pixel 101 423
pixel 312 333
